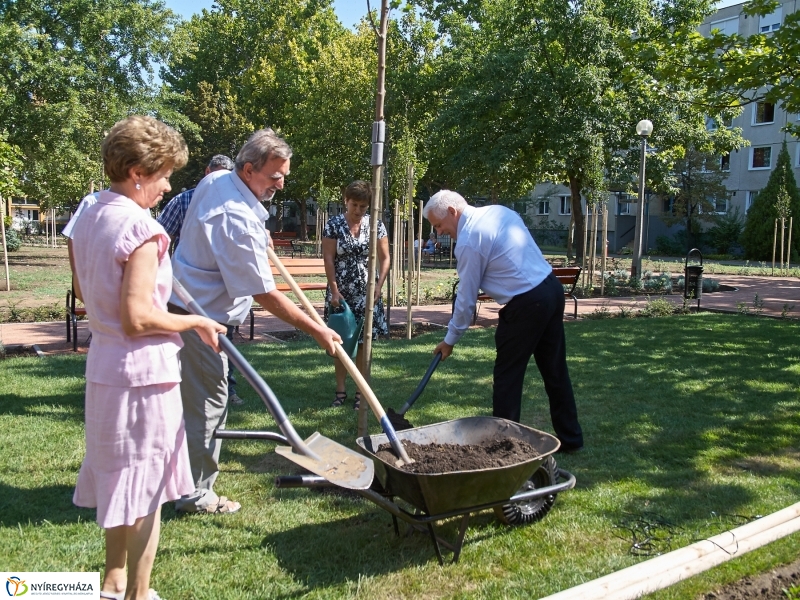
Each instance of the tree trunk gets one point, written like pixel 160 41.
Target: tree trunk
pixel 302 235
pixel 577 213
pixel 279 215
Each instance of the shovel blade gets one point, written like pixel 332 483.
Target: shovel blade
pixel 339 465
pixel 398 420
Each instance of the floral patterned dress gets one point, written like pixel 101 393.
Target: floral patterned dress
pixel 350 263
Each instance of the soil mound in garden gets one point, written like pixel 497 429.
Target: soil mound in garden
pixel 448 458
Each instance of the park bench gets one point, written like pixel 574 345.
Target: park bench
pixel 297 267
pixel 284 241
pixel 72 313
pixel 568 276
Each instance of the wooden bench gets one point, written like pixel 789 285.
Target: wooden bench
pixel 297 267
pixel 568 276
pixel 283 241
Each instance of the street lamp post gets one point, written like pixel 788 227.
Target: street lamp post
pixel 643 128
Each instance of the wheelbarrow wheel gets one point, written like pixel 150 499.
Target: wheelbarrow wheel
pixel 523 513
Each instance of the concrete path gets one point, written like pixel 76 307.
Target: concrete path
pixel 777 296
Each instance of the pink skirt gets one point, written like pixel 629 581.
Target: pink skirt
pixel 136 453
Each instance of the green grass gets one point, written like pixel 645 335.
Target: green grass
pixel 690 419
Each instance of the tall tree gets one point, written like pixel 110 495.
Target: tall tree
pixel 699 188
pixel 759 226
pixel 536 88
pixel 766 66
pixel 68 71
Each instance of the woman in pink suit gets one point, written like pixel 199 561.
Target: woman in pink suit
pixel 136 454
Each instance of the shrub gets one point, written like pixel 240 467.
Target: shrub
pixel 727 231
pixel 658 307
pixel 13 241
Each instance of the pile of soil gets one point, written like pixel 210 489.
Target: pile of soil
pixel 447 458
pixel 766 586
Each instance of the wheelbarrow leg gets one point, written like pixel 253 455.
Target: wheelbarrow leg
pixel 462 531
pixel 435 541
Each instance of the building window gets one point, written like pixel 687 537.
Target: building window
pixel 770 23
pixel 565 205
pixel 623 204
pixel 763 113
pixel 668 206
pixel 760 157
pixel 543 207
pixel 721 206
pixel 749 201
pixel 725 162
pixel 726 26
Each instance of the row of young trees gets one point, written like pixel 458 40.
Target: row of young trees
pixel 484 96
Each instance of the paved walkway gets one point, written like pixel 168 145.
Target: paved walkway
pixel 777 296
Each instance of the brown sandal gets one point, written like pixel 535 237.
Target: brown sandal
pixel 357 403
pixel 223 506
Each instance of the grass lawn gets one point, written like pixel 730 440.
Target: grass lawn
pixel 690 420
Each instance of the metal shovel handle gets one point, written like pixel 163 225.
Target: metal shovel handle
pixel 423 382
pixel 253 378
pixel 341 354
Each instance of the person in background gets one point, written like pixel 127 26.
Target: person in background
pixel 430 245
pixel 496 254
pixel 171 218
pixel 85 202
pixel 136 452
pixel 222 262
pixel 345 251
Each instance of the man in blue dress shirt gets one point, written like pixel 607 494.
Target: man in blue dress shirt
pixel 171 218
pixel 496 254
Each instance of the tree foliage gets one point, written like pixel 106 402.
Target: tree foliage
pixel 542 90
pixel 741 70
pixel 759 228
pixel 68 71
pixel 699 187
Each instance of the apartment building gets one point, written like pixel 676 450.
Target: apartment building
pixel 748 168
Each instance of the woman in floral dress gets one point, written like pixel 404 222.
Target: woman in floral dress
pixel 345 250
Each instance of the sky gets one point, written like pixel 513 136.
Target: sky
pixel 348 11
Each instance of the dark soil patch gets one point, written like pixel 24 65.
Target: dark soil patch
pixel 447 458
pixel 398 332
pixel 16 350
pixel 766 586
pixel 291 336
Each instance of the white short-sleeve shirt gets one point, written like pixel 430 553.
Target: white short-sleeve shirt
pixel 222 258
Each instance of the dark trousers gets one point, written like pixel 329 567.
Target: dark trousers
pixel 532 324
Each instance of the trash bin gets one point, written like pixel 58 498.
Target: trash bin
pixel 693 278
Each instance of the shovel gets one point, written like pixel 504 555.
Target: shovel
pixel 318 454
pixel 341 354
pixel 398 419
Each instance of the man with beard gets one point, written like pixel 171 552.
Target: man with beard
pixel 222 262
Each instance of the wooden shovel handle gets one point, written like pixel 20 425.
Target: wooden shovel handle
pixel 348 363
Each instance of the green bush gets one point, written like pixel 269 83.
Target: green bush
pixel 658 307
pixel 13 241
pixel 727 231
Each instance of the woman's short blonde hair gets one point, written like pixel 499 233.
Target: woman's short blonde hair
pixel 143 142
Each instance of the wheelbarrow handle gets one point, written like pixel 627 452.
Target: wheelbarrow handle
pixel 253 378
pixel 341 354
pixel 423 382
